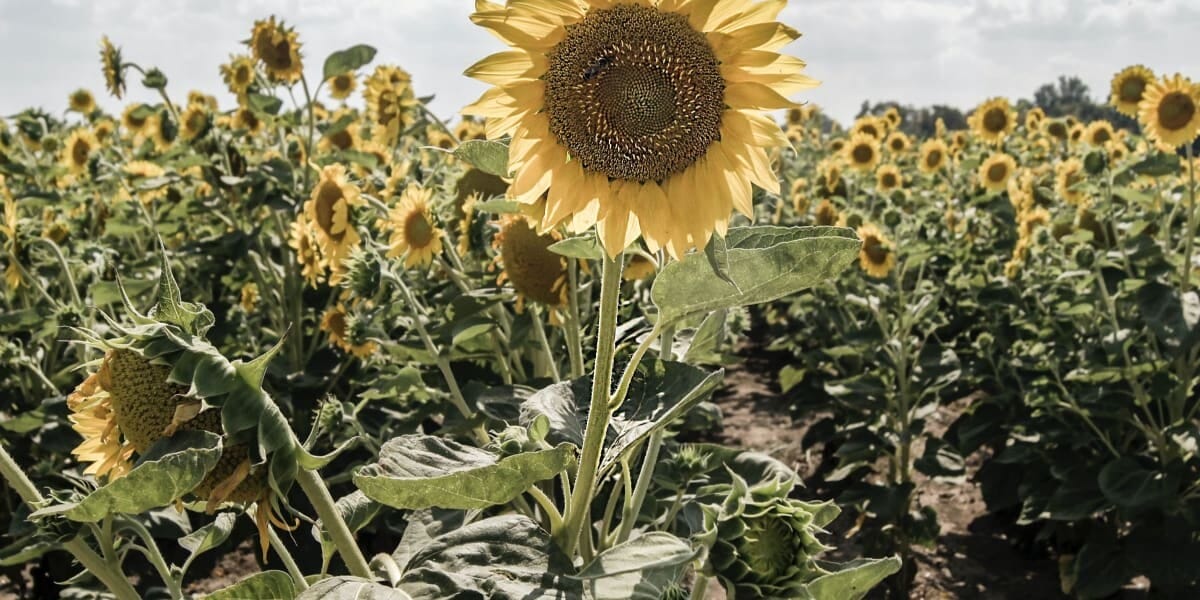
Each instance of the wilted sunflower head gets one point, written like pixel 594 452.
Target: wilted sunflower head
pixel 1170 112
pixel 888 178
pixel 82 102
pixel 114 70
pixel 877 257
pixel 278 49
pixel 993 120
pixel 1128 87
pixel 996 170
pixel 622 112
pixel 862 152
pixel 1099 133
pixel 78 150
pixel 934 156
pixel 238 74
pixel 414 235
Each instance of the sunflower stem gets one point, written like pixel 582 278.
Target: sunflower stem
pixel 539 331
pixel 1190 238
pixel 634 507
pixel 599 413
pixel 289 562
pixel 333 523
pixel 112 578
pixel 573 329
pixel 152 553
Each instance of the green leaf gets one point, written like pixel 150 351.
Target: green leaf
pixel 170 307
pixel 263 103
pixel 505 557
pixel 350 59
pixel 498 206
pixel 640 569
pixel 356 510
pixel 940 460
pixel 485 155
pixel 422 471
pixel 583 247
pixel 852 580
pixel 705 346
pixel 170 468
pixel 1129 485
pixel 351 588
pixel 765 263
pixel 268 585
pixel 210 536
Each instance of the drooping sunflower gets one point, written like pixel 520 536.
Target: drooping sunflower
pixel 888 178
pixel 335 322
pixel 1170 112
pixel 114 70
pixel 1128 88
pixel 862 153
pixel 82 102
pixel 328 210
pixel 623 112
pixel 391 103
pixel 1099 133
pixel 898 142
pixel 245 119
pixel 109 455
pixel 1068 174
pixel 342 85
pixel 414 235
pixel 78 150
pixel 996 170
pixel 799 195
pixel 934 155
pixel 993 120
pixel 534 271
pixel 876 257
pixel 278 48
pixel 194 122
pixel 238 74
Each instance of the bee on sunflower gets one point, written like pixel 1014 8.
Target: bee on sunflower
pixel 278 48
pixel 622 112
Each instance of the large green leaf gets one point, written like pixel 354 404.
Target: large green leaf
pixel 351 588
pixel 356 510
pixel 852 580
pixel 268 585
pixel 422 471
pixel 765 263
pixel 502 558
pixel 1126 483
pixel 640 569
pixel 350 59
pixel 171 468
pixel 485 155
pixel 208 537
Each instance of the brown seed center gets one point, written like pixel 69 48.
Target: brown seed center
pixel 418 230
pixel 997 172
pixel 1176 110
pixel 995 120
pixel 634 93
pixel 863 154
pixel 1132 88
pixel 328 197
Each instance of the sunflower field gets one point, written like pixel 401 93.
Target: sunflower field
pixel 328 344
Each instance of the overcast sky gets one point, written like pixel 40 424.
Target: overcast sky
pixel 955 52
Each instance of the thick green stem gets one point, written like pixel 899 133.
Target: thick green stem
pixel 333 523
pixel 574 329
pixel 289 563
pixel 1190 234
pixel 599 413
pixel 112 578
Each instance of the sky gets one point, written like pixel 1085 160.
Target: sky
pixel 921 52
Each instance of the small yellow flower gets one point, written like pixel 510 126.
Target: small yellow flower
pixel 996 170
pixel 82 102
pixel 877 256
pixel 413 232
pixel 342 85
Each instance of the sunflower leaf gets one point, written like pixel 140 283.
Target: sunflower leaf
pixel 345 61
pixel 583 247
pixel 487 156
pixel 275 585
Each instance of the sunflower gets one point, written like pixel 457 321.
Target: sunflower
pixel 194 122
pixel 1076 133
pixel 413 232
pixel 335 322
pixel 934 155
pixel 238 74
pixel 92 418
pixel 869 125
pixel 302 241
pixel 876 256
pixel 78 150
pixel 623 113
pixel 1128 88
pixel 1057 129
pixel 328 210
pixel 827 213
pixel 245 119
pixel 1170 112
pixel 1099 133
pixel 898 143
pixel 795 134
pixel 1067 175
pixel 162 130
pixel 104 129
pixel 1117 150
pixel 1034 118
pixel 278 48
pixel 831 174
pixel 470 129
pixel 342 85
pixel 82 102
pixel 391 104
pixel 888 178
pixel 862 153
pixel 249 297
pixel 114 71
pixel 993 120
pixel 798 194
pixel 996 170
pixel 345 138
pixel 534 271
pixel 135 118
pixel 836 145
pixel 892 116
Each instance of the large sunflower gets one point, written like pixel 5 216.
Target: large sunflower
pixel 996 170
pixel 278 48
pixel 876 257
pixel 413 232
pixel 1128 88
pixel 642 117
pixel 1170 112
pixel 993 120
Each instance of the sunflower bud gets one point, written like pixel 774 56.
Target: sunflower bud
pixel 154 79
